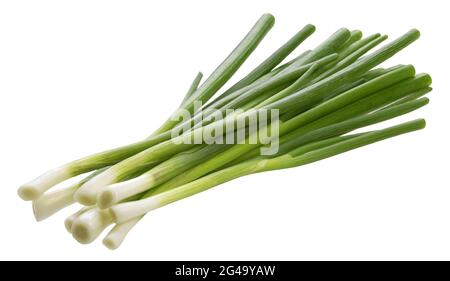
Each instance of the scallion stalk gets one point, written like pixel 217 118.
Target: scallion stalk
pixel 68 222
pixel 273 60
pixel 310 96
pixel 315 132
pixel 88 193
pixel 35 188
pixel 322 95
pixel 228 67
pixel 192 88
pixel 90 224
pixel 126 211
pixel 118 233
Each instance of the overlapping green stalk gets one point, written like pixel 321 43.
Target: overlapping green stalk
pixel 321 95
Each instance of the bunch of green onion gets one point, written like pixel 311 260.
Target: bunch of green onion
pixel 322 95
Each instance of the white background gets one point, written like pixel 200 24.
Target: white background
pixel 77 77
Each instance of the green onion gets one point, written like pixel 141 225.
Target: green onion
pixel 347 60
pixel 172 167
pixel 68 222
pixel 88 193
pixel 412 96
pixel 277 57
pixel 89 224
pixel 329 46
pixel 310 96
pixel 231 64
pixel 355 35
pixel 116 236
pixel 147 181
pixel 126 211
pixel 192 88
pixel 38 186
pixel 264 84
pixel 348 50
pixel 319 130
pixel 321 95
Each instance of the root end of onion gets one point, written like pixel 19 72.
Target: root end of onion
pixel 106 199
pixel 110 243
pixel 28 192
pixel 82 233
pixel 84 199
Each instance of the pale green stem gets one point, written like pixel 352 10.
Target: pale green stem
pixel 125 211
